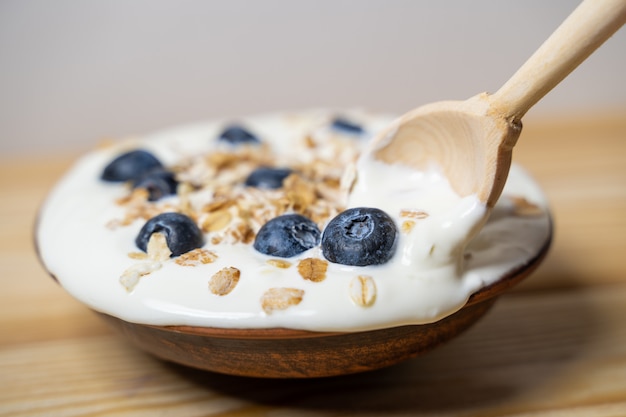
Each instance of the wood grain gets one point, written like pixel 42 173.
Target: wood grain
pixel 565 354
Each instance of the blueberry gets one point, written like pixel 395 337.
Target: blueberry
pixel 268 178
pixel 287 235
pixel 346 126
pixel 159 183
pixel 360 236
pixel 130 165
pixel 181 233
pixel 237 135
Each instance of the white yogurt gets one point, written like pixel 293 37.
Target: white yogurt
pixel 431 275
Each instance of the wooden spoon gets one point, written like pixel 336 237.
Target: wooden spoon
pixel 472 140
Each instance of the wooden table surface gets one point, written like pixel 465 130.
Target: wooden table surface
pixel 554 346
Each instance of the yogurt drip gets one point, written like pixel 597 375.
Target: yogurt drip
pixel 432 274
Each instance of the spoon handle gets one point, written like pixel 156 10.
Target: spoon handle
pixel 589 25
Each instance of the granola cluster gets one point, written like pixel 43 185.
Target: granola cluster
pixel 211 191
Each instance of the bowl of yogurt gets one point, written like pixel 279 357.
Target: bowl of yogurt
pixel 273 246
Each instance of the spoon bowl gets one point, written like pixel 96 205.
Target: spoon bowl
pixel 472 147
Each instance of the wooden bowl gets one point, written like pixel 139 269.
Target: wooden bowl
pixel 286 353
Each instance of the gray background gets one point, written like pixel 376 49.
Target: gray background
pixel 73 72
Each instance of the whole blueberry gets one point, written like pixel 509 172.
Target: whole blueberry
pixel 346 126
pixel 158 182
pixel 268 178
pixel 360 236
pixel 130 165
pixel 238 135
pixel 181 233
pixel 287 235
